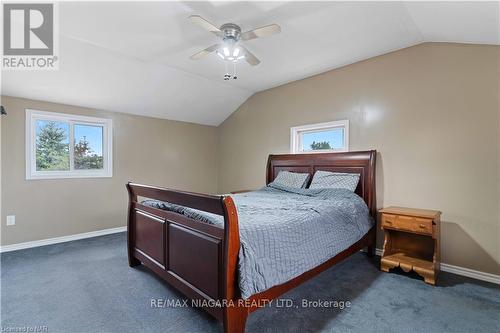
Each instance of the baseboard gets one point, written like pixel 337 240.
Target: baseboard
pixel 55 240
pixel 478 275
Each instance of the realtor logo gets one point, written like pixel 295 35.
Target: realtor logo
pixel 29 32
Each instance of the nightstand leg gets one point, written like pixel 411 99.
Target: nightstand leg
pixel 430 279
pixel 385 266
pixel 428 275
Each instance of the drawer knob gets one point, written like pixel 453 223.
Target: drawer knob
pixel 422 226
pixel 388 222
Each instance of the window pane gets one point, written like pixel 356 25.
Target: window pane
pixel 88 147
pixel 52 145
pixel 321 140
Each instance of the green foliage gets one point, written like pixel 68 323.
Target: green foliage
pixel 85 158
pixel 320 145
pixel 52 148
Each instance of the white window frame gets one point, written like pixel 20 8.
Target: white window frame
pixel 297 131
pixel 107 148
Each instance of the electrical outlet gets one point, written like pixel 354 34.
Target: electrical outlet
pixel 11 219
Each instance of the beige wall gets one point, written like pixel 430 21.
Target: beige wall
pixel 146 150
pixel 432 112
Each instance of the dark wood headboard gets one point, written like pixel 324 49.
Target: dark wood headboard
pixel 362 162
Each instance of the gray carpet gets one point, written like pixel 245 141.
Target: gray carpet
pixel 87 286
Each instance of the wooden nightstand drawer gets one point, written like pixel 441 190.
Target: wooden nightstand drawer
pixel 423 226
pixel 407 223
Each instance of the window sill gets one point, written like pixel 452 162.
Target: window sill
pixel 69 176
pixel 321 151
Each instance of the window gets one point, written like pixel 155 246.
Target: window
pixel 320 138
pixel 67 146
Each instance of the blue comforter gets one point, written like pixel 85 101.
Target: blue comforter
pixel 285 232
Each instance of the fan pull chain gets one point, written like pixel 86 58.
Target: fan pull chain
pixel 234 71
pixel 227 76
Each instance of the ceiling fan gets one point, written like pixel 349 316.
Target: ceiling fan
pixel 230 47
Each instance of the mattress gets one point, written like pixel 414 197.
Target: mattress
pixel 285 232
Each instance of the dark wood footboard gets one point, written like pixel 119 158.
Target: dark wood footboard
pixel 197 258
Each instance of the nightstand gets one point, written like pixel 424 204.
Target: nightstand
pixel 411 241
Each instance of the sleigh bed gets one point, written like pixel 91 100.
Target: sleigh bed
pixel 201 259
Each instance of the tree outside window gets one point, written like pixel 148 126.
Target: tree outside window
pixel 52 146
pixel 67 146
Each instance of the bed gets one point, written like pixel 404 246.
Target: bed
pixel 231 254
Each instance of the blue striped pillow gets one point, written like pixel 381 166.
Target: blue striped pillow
pixel 291 179
pixel 326 179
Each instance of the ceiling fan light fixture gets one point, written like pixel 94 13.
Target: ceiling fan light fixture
pixel 230 52
pixel 231 48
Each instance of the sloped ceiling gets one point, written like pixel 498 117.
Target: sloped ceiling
pixel 134 57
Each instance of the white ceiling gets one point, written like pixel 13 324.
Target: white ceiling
pixel 134 57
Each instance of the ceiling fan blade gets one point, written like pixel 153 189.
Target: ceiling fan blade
pixel 204 52
pixel 204 23
pixel 250 57
pixel 264 31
